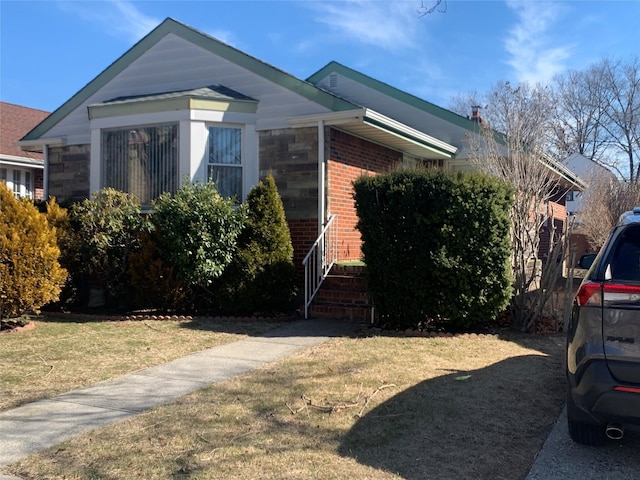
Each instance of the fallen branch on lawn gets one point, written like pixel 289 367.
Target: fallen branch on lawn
pixel 339 406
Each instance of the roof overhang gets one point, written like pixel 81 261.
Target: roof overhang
pixel 373 126
pixel 568 179
pixel 21 161
pixel 39 144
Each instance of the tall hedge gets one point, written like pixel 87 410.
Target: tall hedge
pixel 262 276
pixel 30 275
pixel 436 246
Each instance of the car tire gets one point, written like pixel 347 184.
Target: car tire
pixel 584 433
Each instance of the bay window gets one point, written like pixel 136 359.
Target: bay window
pixel 141 160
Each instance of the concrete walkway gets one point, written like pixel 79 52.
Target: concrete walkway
pixel 39 425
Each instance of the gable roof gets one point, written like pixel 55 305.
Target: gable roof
pixel 171 26
pixel 393 92
pixel 436 111
pixel 16 121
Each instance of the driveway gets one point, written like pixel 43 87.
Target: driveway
pixel 562 459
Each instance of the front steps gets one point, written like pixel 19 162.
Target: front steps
pixel 343 295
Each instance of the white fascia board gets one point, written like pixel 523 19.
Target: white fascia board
pixel 39 144
pixel 409 131
pixel 21 161
pixel 139 119
pixel 329 118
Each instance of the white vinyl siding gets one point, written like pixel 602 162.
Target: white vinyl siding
pixel 175 64
pixel 141 160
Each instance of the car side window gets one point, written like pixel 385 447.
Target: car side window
pixel 625 263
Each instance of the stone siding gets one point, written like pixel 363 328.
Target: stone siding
pixel 69 172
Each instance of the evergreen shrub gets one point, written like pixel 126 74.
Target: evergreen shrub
pixel 108 228
pixel 30 274
pixel 436 246
pixel 262 276
pixel 197 232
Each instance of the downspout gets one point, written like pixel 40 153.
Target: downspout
pixel 321 177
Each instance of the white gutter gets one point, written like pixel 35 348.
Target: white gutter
pixel 408 131
pixel 365 116
pixel 30 145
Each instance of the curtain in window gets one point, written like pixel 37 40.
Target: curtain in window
pixel 225 160
pixel 141 160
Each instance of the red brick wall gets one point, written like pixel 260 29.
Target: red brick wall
pixel 558 211
pixel 303 234
pixel 349 158
pixel 38 189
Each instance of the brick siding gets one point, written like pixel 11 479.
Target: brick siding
pixel 349 158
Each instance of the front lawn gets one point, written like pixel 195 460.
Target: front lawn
pixel 61 354
pixel 377 407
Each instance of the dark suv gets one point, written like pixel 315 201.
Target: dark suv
pixel 603 340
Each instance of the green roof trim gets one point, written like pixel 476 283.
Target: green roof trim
pixel 393 92
pixel 171 26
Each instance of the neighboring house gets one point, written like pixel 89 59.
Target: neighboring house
pixel 584 168
pixel 182 105
pixel 588 170
pixel 21 170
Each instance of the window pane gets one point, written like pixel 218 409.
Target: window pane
pixel 225 146
pixel 225 160
pixel 228 180
pixel 3 174
pixel 142 161
pixel 27 184
pixel 16 182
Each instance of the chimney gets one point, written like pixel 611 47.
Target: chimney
pixel 475 114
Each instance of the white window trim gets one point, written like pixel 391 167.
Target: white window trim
pixel 193 137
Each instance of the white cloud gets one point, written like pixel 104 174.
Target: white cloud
pixel 535 52
pixel 389 25
pixel 115 17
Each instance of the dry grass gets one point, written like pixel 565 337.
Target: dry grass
pixel 369 408
pixel 61 355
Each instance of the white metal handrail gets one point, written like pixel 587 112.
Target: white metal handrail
pixel 317 263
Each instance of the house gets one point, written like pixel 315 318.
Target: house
pixel 182 105
pixel 590 171
pixel 21 170
pixel 584 168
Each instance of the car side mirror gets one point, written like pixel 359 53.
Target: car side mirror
pixel 587 260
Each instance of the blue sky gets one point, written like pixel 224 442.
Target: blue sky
pixel 50 49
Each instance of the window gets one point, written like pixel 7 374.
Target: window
pixel 3 175
pixel 570 196
pixel 141 160
pixel 225 160
pixel 17 180
pixel 28 191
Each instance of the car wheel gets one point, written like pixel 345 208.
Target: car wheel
pixel 582 432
